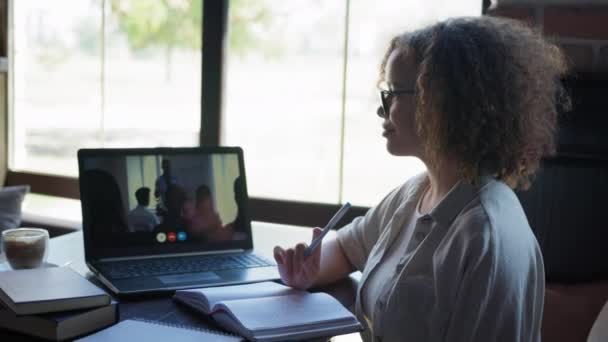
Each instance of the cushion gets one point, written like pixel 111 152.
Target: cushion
pixel 571 309
pixel 11 198
pixel 599 331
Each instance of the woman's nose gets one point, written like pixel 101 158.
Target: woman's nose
pixel 380 112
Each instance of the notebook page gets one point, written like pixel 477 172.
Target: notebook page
pixel 224 293
pixel 302 309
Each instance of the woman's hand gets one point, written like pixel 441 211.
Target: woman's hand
pixel 295 269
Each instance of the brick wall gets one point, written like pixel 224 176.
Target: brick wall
pixel 580 27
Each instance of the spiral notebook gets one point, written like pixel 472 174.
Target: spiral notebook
pixel 143 330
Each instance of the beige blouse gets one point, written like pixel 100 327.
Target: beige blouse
pixel 399 251
pixel 475 272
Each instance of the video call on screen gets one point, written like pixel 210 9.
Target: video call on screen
pixel 165 199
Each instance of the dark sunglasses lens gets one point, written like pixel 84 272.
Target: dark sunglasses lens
pixel 382 111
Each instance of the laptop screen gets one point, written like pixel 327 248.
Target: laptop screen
pixel 157 201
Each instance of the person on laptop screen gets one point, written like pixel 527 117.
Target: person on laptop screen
pixel 140 218
pixel 203 219
pixel 449 255
pixel 161 187
pixel 174 217
pixel 104 194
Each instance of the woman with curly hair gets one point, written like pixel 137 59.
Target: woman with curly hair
pixel 449 255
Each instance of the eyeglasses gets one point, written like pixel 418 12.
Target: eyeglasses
pixel 386 96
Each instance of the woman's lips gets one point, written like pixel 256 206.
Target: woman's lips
pixel 387 132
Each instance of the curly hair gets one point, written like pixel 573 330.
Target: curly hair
pixel 488 93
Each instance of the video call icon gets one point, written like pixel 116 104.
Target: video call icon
pixel 161 237
pixel 171 236
pixel 182 236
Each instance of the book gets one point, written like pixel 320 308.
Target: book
pixel 58 326
pixel 270 311
pixel 142 330
pixel 52 289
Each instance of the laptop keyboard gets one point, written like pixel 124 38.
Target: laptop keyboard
pixel 177 265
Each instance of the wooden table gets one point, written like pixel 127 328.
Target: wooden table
pixel 68 249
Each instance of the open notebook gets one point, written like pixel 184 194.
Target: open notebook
pixel 271 312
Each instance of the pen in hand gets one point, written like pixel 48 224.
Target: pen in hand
pixel 330 225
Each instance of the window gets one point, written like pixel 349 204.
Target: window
pixel 302 102
pixel 102 73
pixel 283 98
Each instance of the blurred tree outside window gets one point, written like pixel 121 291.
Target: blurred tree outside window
pixel 108 73
pixel 169 25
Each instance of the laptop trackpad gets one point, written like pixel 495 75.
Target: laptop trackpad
pixel 188 277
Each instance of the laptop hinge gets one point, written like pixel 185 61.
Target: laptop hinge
pixel 171 255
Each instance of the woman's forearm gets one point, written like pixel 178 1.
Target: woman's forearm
pixel 334 265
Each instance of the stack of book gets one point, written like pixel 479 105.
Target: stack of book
pixel 54 303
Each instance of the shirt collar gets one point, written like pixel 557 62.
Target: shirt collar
pixel 456 199
pixel 419 186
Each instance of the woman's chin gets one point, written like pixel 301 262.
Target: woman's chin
pixel 399 151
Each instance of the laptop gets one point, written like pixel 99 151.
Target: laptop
pixel 161 219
